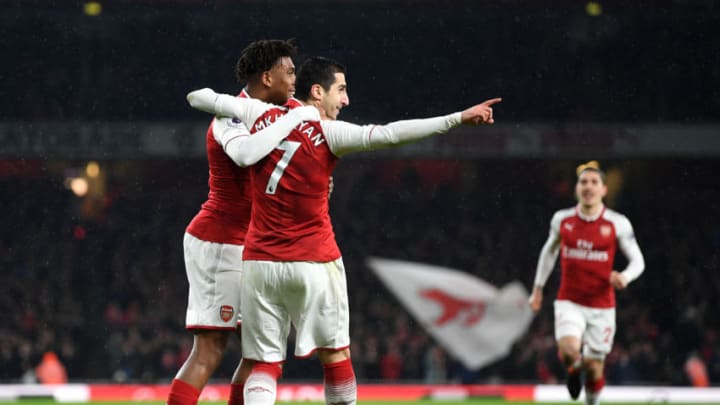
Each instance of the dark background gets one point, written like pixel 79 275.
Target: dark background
pixel 550 61
pixel 100 279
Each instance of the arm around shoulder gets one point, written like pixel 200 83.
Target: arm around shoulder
pixel 246 150
pixel 225 105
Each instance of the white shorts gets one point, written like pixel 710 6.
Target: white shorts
pixel 312 296
pixel 214 272
pixel 595 327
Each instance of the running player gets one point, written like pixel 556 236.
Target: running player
pixel 586 237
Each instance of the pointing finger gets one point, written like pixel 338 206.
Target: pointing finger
pixel 492 101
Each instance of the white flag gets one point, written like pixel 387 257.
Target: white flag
pixel 471 319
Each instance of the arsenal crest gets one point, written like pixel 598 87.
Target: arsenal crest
pixel 226 313
pixel 605 230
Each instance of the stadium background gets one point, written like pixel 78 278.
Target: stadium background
pixel 99 279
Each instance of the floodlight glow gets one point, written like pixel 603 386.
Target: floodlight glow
pixel 593 8
pixel 92 169
pixel 92 8
pixel 79 186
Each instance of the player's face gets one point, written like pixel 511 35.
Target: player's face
pixel 335 99
pixel 282 80
pixel 590 188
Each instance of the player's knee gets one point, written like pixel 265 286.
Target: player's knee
pixel 568 353
pixel 328 356
pixel 569 345
pixel 594 368
pixel 593 355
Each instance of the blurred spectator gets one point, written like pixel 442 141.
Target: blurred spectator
pixel 391 362
pixel 696 371
pixel 111 314
pixel 435 365
pixel 51 370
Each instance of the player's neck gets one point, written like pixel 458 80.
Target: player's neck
pixel 257 92
pixel 590 211
pixel 316 104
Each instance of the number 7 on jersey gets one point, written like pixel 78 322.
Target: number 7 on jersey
pixel 290 147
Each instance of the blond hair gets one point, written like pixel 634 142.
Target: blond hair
pixel 592 165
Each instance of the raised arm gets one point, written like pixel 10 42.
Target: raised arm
pixel 225 105
pixel 344 137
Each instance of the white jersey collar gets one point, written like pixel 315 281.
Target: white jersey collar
pixel 589 218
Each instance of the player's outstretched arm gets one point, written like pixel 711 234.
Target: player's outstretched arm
pixel 344 137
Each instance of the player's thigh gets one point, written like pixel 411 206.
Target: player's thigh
pixel 600 333
pixel 569 320
pixel 214 273
pixel 210 342
pixel 320 315
pixel 266 321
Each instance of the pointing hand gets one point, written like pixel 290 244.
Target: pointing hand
pixel 481 113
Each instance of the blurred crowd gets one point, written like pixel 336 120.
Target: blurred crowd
pixel 105 289
pixel 100 281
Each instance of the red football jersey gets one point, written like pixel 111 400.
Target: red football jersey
pixel 225 216
pixel 290 189
pixel 290 219
pixel 587 254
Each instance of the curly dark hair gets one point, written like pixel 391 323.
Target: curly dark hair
pixel 261 56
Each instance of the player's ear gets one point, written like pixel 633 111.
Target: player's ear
pixel 317 91
pixel 266 78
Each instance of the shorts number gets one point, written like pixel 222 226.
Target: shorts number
pixel 608 334
pixel 290 147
